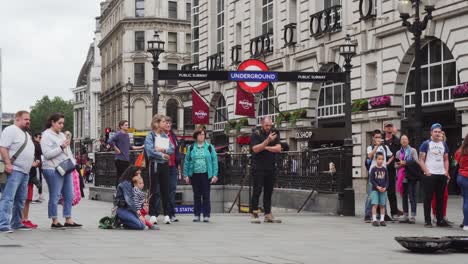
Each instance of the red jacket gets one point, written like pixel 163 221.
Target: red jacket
pixel 463 163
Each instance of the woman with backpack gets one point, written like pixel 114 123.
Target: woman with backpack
pixel 408 173
pixel 201 170
pixel 158 148
pixel 462 180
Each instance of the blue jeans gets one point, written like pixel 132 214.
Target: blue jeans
pixel 129 219
pixel 201 194
pixel 173 175
pixel 59 185
pixel 463 183
pixel 409 192
pixel 13 199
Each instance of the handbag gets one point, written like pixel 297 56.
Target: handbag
pixel 3 174
pixel 76 189
pixel 65 167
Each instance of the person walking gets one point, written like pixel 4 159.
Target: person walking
pixel 265 144
pixel 461 155
pixel 201 170
pixel 433 159
pixel 38 156
pixel 393 143
pixel 17 151
pixel 121 144
pixel 408 174
pixel 446 194
pixel 158 149
pixel 174 169
pixel 57 166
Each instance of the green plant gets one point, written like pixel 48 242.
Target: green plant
pixel 296 115
pixel 359 105
pixel 282 117
pixel 230 124
pixel 243 122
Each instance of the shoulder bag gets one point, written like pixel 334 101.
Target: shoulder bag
pixel 3 174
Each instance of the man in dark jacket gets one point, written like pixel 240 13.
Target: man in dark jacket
pixel 393 143
pixel 174 169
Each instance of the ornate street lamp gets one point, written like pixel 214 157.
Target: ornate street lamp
pixel 129 87
pixel 348 51
pixel 405 7
pixel 155 47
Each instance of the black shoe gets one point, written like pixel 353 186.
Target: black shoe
pixel 443 223
pixel 388 218
pixel 428 225
pixel 375 223
pixel 382 223
pixel 74 225
pixel 462 225
pixel 57 226
pixel 367 219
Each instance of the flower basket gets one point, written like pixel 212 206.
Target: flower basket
pixel 380 101
pixel 243 140
pixel 460 91
pixel 360 105
pixel 297 115
pixel 282 117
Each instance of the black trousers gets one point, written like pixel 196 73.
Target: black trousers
pixel 434 183
pixel 121 166
pixel 262 179
pixel 159 176
pixel 391 190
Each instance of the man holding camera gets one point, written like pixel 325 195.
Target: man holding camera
pixel 265 144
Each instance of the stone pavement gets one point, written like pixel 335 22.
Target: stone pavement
pixel 230 238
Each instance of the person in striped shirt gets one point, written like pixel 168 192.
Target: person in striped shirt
pixel 140 201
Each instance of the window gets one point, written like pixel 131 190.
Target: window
pixel 188 43
pixel 268 104
pixel 172 10
pixel 220 114
pixel 195 32
pixel 267 16
pixel 139 74
pixel 172 42
pixel 329 4
pixel 172 66
pixel 438 75
pixel 188 118
pixel 371 76
pixel 220 26
pixel 139 40
pixel 139 8
pixel 292 92
pixel 172 107
pixel 188 11
pixel 331 101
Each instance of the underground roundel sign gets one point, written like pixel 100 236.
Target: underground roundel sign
pixel 253 76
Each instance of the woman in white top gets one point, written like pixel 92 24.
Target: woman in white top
pixel 55 148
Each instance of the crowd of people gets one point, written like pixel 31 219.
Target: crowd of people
pixel 395 167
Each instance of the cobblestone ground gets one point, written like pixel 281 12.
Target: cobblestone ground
pixel 230 238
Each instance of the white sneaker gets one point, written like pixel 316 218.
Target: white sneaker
pixel 174 219
pixel 465 228
pixel 167 220
pixel 153 219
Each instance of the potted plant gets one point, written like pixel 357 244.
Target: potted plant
pixel 231 127
pixel 380 101
pixel 282 119
pixel 243 126
pixel 298 118
pixel 359 105
pixel 460 91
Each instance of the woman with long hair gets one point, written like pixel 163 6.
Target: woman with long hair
pixel 158 149
pixel 462 180
pixel 406 164
pixel 56 150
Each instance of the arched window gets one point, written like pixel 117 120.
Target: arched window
pixel 267 103
pixel 438 75
pixel 171 111
pixel 331 101
pixel 220 114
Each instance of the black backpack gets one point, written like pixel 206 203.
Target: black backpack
pixel 190 148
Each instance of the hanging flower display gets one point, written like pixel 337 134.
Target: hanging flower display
pixel 460 91
pixel 243 140
pixel 380 101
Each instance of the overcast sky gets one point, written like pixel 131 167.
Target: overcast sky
pixel 44 43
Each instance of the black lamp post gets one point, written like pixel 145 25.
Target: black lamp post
pixel 348 51
pixel 155 47
pixel 405 7
pixel 129 86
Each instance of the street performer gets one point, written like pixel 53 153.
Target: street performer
pixel 265 144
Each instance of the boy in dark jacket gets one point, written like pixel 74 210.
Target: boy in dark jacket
pixel 379 181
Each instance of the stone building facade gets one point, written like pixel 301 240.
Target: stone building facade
pixel 127 25
pixel 294 35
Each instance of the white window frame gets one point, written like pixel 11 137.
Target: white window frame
pixel 220 17
pixel 171 44
pixel 445 92
pixel 265 6
pixel 195 38
pixel 271 110
pixel 219 120
pixel 332 110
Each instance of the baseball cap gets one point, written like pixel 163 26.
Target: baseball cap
pixel 436 125
pixel 388 123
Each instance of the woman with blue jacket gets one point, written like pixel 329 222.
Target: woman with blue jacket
pixel 201 169
pixel 158 149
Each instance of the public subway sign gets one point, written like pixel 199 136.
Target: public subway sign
pixel 253 76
